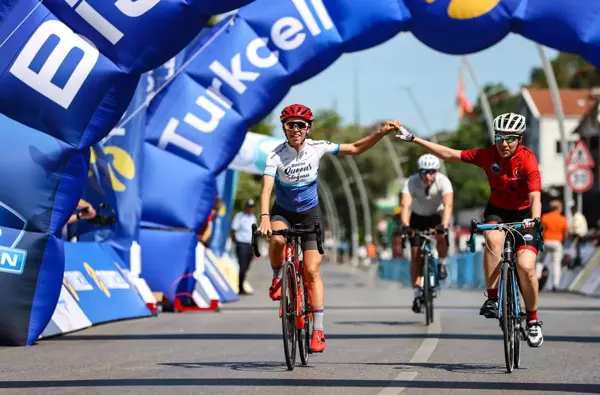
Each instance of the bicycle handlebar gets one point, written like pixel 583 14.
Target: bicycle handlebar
pixel 288 233
pixel 426 234
pixel 482 227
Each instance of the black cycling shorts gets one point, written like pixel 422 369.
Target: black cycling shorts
pixel 496 215
pixel 422 222
pixel 302 220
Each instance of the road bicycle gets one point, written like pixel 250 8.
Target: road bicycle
pixel 430 274
pixel 510 313
pixel 295 309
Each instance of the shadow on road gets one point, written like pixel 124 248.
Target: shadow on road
pixel 238 366
pixel 470 368
pixel 332 336
pixel 308 383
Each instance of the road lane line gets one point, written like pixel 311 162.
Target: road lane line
pixel 420 356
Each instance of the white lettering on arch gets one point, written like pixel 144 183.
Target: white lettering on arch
pixel 286 33
pixel 256 59
pixel 42 81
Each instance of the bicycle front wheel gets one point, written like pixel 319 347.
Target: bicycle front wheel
pixel 427 296
pixel 288 313
pixel 506 319
pixel 304 333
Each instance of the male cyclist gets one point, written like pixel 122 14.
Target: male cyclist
pixel 292 167
pixel 426 203
pixel 514 179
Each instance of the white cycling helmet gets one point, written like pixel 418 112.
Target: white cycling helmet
pixel 428 162
pixel 510 123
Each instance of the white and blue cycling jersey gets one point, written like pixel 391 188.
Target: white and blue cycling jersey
pixel 296 173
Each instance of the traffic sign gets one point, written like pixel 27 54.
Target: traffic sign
pixel 580 180
pixel 580 156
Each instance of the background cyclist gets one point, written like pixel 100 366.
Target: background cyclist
pixel 514 179
pixel 292 167
pixel 427 200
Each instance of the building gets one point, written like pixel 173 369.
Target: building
pixel 543 133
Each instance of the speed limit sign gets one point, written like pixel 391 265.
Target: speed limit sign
pixel 580 179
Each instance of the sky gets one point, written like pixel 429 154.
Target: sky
pixel 405 61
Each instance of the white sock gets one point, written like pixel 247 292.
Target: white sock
pixel 276 272
pixel 442 261
pixel 417 292
pixel 318 318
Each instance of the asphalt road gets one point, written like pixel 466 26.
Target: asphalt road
pixel 376 346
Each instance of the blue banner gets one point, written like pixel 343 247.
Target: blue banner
pixel 93 275
pixel 124 147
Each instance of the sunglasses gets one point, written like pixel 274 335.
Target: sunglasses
pixel 510 139
pixel 296 125
pixel 427 171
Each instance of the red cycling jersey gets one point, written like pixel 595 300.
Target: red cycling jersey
pixel 511 180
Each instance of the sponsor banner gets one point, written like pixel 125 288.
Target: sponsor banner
pixel 94 278
pixel 67 317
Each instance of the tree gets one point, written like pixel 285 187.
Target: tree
pixel 572 71
pixel 263 127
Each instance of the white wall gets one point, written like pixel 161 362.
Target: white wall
pixel 551 162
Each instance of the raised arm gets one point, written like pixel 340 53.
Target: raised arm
pixel 362 145
pixel 441 151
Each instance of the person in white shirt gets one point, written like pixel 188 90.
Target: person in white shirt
pixel 579 225
pixel 427 200
pixel 241 235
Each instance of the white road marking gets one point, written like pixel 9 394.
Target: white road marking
pixel 420 356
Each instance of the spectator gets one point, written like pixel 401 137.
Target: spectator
pixel 241 235
pixel 579 229
pixel 556 231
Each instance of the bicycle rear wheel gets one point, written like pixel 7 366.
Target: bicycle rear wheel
pixel 506 319
pixel 427 297
pixel 288 310
pixel 304 333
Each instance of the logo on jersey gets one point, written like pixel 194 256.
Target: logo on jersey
pixel 528 237
pixel 12 260
pixel 496 167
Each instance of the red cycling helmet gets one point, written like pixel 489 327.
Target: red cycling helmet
pixel 296 110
